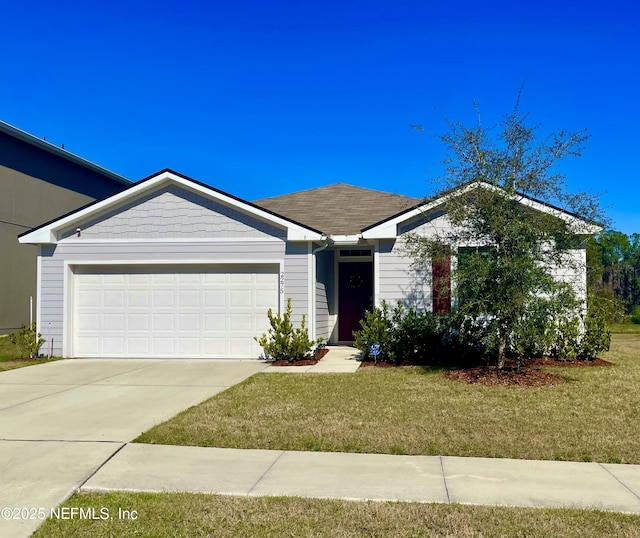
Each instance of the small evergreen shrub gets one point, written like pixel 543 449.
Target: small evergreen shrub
pixel 377 328
pixel 635 317
pixel 27 340
pixel 285 342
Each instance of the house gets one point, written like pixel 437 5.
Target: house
pixel 39 181
pixel 171 267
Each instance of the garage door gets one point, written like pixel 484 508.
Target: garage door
pixel 189 312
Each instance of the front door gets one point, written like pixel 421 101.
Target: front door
pixel 355 296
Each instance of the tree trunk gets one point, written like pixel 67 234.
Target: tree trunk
pixel 502 349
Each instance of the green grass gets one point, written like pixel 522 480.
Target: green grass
pixel 199 515
pixel 624 328
pixel 8 355
pixel 592 417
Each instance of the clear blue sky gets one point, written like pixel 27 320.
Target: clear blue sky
pixel 260 98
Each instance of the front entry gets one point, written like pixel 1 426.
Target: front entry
pixel 355 296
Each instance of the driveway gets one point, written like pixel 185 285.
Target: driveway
pixel 59 422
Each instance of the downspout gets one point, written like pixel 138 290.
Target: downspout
pixel 314 270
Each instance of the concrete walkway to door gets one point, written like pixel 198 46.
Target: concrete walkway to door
pixel 59 422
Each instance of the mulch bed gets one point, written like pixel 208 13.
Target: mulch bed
pixel 530 375
pixel 309 361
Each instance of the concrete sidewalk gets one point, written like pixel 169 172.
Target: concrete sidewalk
pixel 340 359
pixel 502 482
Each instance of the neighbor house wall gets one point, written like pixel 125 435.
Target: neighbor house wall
pixel 36 187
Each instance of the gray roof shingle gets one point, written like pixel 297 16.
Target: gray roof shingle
pixel 338 209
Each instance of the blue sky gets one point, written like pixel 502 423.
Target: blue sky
pixel 260 98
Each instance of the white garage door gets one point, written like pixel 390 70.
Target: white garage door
pixel 152 311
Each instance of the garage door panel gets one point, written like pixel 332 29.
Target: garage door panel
pixel 111 279
pixel 164 322
pixel 264 299
pixel 139 279
pixel 164 279
pixel 172 311
pixel 138 298
pixel 138 346
pixel 215 322
pixel 113 322
pixel 215 278
pixel 163 347
pixel 113 346
pixel 215 299
pixel 163 298
pixel 113 299
pixel 189 298
pixel 240 299
pixel 138 322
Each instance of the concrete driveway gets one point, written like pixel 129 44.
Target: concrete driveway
pixel 59 422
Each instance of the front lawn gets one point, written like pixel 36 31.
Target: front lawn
pixel 624 328
pixel 412 410
pixel 199 515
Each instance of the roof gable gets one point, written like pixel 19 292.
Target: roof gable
pixel 98 211
pixel 391 226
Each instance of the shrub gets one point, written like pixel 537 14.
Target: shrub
pixel 27 340
pixel 285 342
pixel 596 337
pixel 377 328
pixel 403 335
pixel 416 336
pixel 635 317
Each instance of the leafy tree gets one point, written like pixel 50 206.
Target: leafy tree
pixel 491 181
pixel 613 261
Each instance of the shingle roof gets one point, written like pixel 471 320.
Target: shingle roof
pixel 338 209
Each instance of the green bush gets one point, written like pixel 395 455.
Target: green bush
pixel 377 328
pixel 27 340
pixel 596 337
pixel 416 336
pixel 635 317
pixel 284 341
pixel 404 334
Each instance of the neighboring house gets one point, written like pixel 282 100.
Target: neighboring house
pixel 39 181
pixel 171 267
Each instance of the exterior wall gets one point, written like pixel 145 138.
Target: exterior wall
pixel 36 187
pixel 325 302
pixel 574 272
pixel 296 280
pixel 398 280
pixel 54 290
pixel 173 212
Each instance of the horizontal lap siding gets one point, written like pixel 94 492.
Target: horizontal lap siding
pixel 51 292
pixel 398 280
pixel 296 280
pixel 53 260
pixel 322 312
